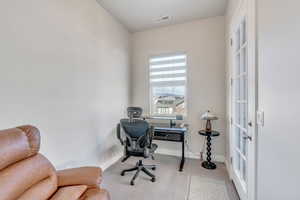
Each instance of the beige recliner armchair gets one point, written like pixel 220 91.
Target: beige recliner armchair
pixel 27 175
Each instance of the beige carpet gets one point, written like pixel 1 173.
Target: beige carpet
pixel 207 189
pixel 170 184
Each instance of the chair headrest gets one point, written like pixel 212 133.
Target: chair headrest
pixel 134 112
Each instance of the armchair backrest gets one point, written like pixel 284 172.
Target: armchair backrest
pixel 17 144
pixel 23 171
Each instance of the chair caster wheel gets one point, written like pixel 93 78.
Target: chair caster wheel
pixel 153 168
pixel 131 183
pixel 122 173
pixel 153 179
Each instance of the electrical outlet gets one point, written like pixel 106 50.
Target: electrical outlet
pixel 260 115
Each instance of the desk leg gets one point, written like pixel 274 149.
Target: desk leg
pixel 182 156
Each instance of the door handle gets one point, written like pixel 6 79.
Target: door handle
pixel 247 138
pixel 250 124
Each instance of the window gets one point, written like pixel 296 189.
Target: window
pixel 168 84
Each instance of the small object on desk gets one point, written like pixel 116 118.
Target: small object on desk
pixel 173 121
pixel 209 117
pixel 208 164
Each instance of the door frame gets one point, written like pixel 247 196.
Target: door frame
pixel 246 8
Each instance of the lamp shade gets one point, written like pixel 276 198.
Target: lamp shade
pixel 209 116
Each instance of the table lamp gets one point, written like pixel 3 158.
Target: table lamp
pixel 209 117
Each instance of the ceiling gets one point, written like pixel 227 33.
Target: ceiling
pixel 139 15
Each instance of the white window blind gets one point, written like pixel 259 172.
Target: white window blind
pixel 168 70
pixel 168 84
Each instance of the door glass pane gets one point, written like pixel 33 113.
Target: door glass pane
pixel 242 112
pixel 238 63
pixel 244 60
pixel 238 137
pixel 245 116
pixel 237 161
pixel 237 89
pixel 241 142
pixel 244 32
pixel 238 40
pixel 237 113
pixel 244 171
pixel 242 88
pixel 245 88
pixel 245 145
pixel 241 167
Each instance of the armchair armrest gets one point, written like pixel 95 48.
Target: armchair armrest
pixel 90 176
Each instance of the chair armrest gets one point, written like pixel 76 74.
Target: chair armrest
pixel 150 136
pixel 90 176
pixel 119 134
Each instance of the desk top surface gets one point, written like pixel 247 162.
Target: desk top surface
pixel 166 127
pixel 212 133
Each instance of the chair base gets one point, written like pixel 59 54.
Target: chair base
pixel 138 168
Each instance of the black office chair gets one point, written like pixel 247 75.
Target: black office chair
pixel 137 142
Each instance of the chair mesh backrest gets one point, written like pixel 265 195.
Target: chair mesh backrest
pixel 136 128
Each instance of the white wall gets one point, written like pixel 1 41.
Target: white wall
pixel 203 40
pixel 231 7
pixel 279 97
pixel 64 67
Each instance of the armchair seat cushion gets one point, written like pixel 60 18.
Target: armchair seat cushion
pixel 69 192
pixel 23 175
pixel 42 190
pixel 90 176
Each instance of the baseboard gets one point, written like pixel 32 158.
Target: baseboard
pixel 112 160
pixel 118 155
pixel 219 158
pixel 216 158
pixel 228 168
pixel 103 164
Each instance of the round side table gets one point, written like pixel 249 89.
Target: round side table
pixel 208 164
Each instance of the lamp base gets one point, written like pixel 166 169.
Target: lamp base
pixel 209 165
pixel 208 126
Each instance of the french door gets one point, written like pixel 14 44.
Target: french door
pixel 243 101
pixel 240 109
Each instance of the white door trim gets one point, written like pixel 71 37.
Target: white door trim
pixel 247 8
pixel 253 92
